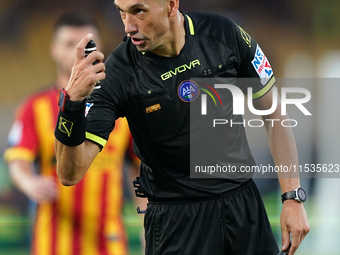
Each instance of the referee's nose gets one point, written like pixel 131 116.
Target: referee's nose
pixel 130 25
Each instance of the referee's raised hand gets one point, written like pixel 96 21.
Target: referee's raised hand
pixel 84 75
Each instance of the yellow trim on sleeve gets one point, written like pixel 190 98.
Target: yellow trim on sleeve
pixel 19 153
pixel 191 25
pixel 265 89
pixel 96 139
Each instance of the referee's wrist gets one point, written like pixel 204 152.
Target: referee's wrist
pixel 66 104
pixel 71 122
pixel 71 127
pixel 75 98
pixel 291 201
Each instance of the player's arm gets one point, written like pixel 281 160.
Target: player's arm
pixel 20 156
pixel 37 187
pixel 74 160
pixel 282 145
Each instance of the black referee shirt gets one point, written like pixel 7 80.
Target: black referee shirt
pixel 149 90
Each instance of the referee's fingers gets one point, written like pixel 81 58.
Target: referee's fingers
pixel 285 239
pixel 80 49
pixel 296 240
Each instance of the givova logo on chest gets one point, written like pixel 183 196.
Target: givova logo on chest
pixel 180 69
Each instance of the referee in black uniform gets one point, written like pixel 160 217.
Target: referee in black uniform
pixel 146 80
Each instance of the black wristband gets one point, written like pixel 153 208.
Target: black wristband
pixel 71 126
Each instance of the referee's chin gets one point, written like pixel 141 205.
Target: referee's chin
pixel 147 46
pixel 142 48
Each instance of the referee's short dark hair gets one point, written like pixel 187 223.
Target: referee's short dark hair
pixel 75 19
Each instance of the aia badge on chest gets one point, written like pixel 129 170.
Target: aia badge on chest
pixel 188 91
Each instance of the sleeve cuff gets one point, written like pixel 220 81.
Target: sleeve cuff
pixel 94 138
pixel 265 89
pixel 19 153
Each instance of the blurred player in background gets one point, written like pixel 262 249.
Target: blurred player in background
pixel 86 218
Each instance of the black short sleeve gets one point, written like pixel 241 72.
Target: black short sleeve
pixel 105 105
pixel 253 63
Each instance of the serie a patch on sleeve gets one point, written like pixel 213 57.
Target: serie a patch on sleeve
pixel 88 107
pixel 262 66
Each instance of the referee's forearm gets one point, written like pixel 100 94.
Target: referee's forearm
pixel 73 161
pixel 284 151
pixel 283 148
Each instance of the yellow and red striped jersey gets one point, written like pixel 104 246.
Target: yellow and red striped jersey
pixel 86 218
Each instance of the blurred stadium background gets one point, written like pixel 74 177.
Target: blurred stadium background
pixel 300 38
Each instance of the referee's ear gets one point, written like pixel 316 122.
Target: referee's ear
pixel 173 7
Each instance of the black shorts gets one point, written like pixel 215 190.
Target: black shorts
pixel 234 224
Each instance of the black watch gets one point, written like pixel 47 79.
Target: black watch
pixel 65 104
pixel 298 194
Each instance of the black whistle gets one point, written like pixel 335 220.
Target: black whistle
pixel 90 47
